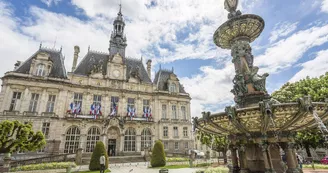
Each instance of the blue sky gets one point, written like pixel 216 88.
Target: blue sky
pixel 175 34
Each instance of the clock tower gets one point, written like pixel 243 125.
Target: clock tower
pixel 117 43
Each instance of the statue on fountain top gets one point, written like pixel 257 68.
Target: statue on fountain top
pixel 231 7
pixel 246 81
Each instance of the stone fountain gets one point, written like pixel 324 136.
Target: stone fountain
pixel 258 127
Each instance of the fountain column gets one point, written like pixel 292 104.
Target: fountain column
pixel 243 159
pixel 234 160
pixel 267 157
pixel 291 158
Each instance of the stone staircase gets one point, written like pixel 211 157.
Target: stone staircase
pixel 116 159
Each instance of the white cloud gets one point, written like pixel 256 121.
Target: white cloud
pixel 313 68
pixel 281 30
pixel 210 87
pixel 50 2
pixel 286 52
pixel 324 6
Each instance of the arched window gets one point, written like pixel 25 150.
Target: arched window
pixel 145 138
pixel 72 140
pixel 130 140
pixel 40 70
pixel 173 87
pixel 92 138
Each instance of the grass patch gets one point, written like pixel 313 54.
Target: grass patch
pixel 317 166
pixel 183 166
pixel 93 171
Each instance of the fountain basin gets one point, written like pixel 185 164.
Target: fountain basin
pixel 253 122
pixel 247 27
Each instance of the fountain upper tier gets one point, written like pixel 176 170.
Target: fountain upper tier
pixel 243 27
pixel 266 119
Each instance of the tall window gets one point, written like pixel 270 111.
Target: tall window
pixel 174 112
pixel 130 140
pixel 97 99
pixel 176 145
pixel 175 131
pixel 145 138
pixel 145 105
pixel 186 145
pixel 185 131
pixel 40 70
pixel 78 97
pixel 45 129
pixel 51 103
pixel 112 101
pixel 72 140
pixel 173 87
pixel 165 131
pixel 164 111
pixel 15 101
pixel 130 102
pixel 183 112
pixel 166 145
pixel 92 138
pixel 33 102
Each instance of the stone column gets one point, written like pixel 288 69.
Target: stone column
pixel 103 139
pixel 78 156
pixel 138 143
pixel 243 159
pixel 234 159
pixel 122 143
pixel 290 157
pixel 267 157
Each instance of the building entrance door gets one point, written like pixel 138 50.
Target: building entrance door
pixel 111 147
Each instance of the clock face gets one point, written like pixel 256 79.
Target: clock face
pixel 116 73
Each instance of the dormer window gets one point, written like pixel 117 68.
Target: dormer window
pixel 40 71
pixel 173 87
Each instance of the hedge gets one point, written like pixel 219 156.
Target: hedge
pixel 44 166
pixel 158 155
pixel 95 158
pixel 215 170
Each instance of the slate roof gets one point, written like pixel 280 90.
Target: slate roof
pixel 98 58
pixel 161 78
pixel 58 69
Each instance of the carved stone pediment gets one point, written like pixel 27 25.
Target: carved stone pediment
pixel 43 56
pixel 117 58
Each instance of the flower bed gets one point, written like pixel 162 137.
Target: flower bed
pixel 317 166
pixel 44 166
pixel 215 170
pixel 177 159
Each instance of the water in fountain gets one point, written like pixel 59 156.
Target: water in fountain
pixel 321 125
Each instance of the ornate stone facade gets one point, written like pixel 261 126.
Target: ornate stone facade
pixel 106 97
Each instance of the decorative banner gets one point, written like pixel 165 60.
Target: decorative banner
pixel 147 112
pixel 131 112
pixel 114 109
pixel 74 108
pixel 95 109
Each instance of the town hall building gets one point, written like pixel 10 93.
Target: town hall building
pixel 106 97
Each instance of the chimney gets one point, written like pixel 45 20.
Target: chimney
pixel 149 68
pixel 76 56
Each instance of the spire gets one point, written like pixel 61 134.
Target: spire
pixel 117 43
pixel 120 12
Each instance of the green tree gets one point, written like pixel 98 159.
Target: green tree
pixel 98 151
pixel 216 143
pixel 317 89
pixel 16 136
pixel 158 158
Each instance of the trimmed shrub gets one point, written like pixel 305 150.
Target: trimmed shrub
pixel 95 158
pixel 158 155
pixel 177 159
pixel 44 166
